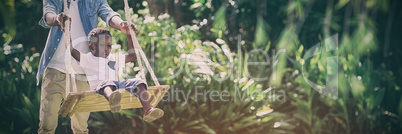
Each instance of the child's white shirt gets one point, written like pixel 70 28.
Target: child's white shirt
pixel 98 69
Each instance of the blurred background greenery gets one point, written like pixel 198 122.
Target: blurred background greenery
pixel 221 34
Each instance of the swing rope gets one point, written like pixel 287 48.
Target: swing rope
pixel 139 51
pixel 69 77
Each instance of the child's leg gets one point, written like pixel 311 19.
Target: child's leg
pixel 143 97
pixel 108 90
pixel 114 98
pixel 139 89
pixel 150 113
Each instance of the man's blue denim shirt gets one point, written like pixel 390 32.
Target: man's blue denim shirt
pixel 89 11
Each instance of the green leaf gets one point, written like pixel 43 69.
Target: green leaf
pixel 219 24
pixel 261 36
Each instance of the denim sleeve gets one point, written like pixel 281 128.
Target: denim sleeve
pixel 106 12
pixel 49 6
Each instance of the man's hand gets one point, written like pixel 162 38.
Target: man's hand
pixel 124 27
pixel 61 20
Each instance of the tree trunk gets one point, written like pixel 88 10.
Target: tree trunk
pixel 178 15
pixel 156 7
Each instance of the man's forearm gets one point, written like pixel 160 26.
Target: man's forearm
pixel 115 22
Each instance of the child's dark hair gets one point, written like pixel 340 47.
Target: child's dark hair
pixel 93 36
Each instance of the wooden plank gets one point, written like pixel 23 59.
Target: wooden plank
pixel 68 104
pixel 90 101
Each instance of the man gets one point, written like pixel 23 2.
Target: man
pixel 84 17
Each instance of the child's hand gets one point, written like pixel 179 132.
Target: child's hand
pixel 124 28
pixel 61 19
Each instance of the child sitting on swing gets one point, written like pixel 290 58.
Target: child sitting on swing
pixel 100 69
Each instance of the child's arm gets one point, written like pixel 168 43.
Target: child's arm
pixel 75 53
pixel 131 51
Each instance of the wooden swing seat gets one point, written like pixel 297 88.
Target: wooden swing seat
pixel 90 101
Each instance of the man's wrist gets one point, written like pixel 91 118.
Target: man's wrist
pixel 56 20
pixel 121 25
pixel 51 19
pixel 115 22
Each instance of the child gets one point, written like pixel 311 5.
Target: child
pixel 100 69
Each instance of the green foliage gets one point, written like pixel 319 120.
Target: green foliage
pixel 20 96
pixel 7 9
pixel 219 25
pixel 253 50
pixel 177 50
pixel 361 90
